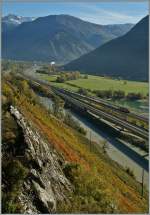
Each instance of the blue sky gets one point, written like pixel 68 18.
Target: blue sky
pixel 97 12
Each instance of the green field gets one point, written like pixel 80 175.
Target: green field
pixel 52 79
pixel 102 83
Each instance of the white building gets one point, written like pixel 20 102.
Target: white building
pixel 52 63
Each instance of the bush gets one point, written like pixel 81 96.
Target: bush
pixel 9 205
pixel 13 173
pixel 69 169
pixel 58 107
pixel 130 172
pixel 68 119
pixel 85 76
pixel 83 91
pixel 89 194
pixel 68 76
pixel 134 96
pixel 60 79
pixel 41 71
pixel 103 93
pixel 118 94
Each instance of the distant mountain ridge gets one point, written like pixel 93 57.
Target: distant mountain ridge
pixel 59 38
pixel 126 56
pixel 11 21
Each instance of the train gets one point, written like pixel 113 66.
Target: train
pixel 123 109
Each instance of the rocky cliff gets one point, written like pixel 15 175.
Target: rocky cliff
pixel 45 184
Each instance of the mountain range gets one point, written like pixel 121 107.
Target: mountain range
pixel 59 38
pixel 126 56
pixel 11 21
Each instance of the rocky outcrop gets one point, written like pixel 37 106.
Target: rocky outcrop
pixel 46 183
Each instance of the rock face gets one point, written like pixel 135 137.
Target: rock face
pixel 46 183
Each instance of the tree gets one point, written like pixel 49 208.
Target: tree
pixel 58 107
pixel 118 94
pixel 134 96
pixel 61 79
pixel 85 76
pixel 83 91
pixel 69 120
pixel 68 76
pixel 105 146
pixel 104 93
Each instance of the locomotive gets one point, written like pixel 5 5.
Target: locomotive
pixel 123 109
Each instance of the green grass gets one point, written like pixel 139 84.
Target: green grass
pixel 52 79
pixel 48 77
pixel 101 83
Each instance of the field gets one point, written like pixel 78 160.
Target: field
pixel 102 83
pixel 52 79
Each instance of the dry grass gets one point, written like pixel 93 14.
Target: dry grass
pixel 75 150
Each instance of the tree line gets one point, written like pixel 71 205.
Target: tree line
pixel 63 77
pixel 119 94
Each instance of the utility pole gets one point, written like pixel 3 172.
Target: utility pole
pixel 90 140
pixel 142 191
pixel 142 183
pixel 49 107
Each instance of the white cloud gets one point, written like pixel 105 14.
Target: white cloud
pixel 101 16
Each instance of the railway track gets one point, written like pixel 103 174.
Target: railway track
pixel 109 105
pixel 134 129
pixel 83 105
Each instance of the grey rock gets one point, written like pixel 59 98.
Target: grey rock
pixel 46 198
pixel 46 183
